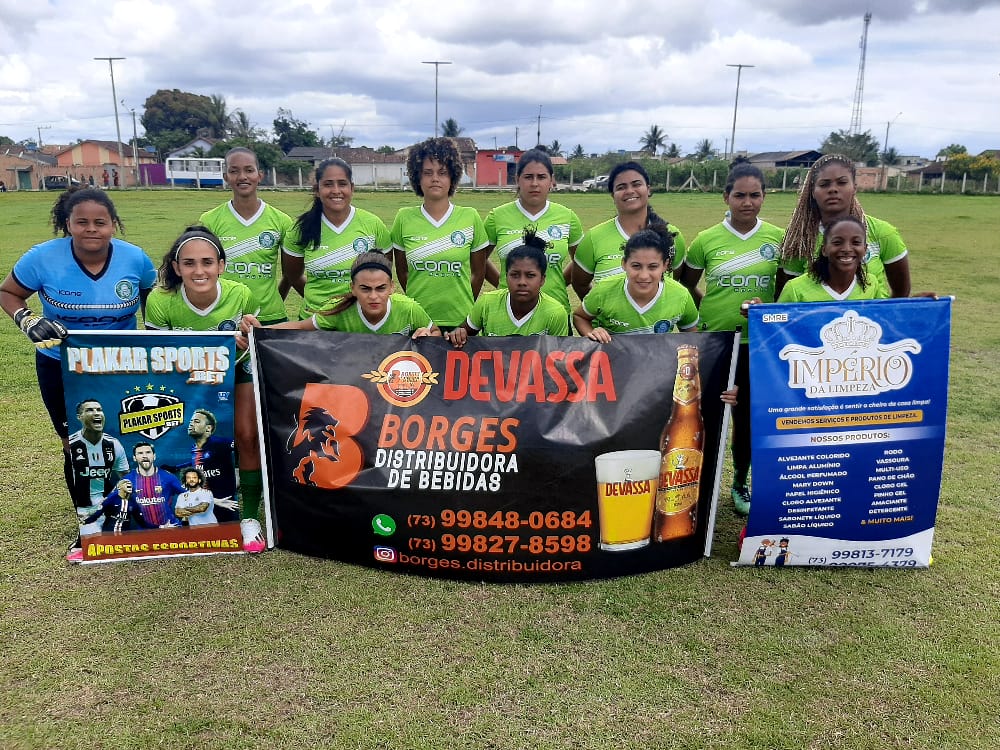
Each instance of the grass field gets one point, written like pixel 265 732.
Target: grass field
pixel 286 651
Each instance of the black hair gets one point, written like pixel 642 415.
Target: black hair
pixel 742 167
pixel 533 247
pixel 73 197
pixel 653 219
pixel 79 404
pixel 241 150
pixel 209 417
pixel 142 443
pixel 442 150
pixel 373 260
pixel 167 277
pixel 309 225
pixel 657 238
pixel 201 474
pixel 534 155
pixel 820 267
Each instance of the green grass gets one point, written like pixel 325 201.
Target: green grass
pixel 294 652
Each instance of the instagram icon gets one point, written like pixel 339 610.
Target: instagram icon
pixel 386 554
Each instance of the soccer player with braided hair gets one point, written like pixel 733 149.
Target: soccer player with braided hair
pixel 829 193
pixel 86 279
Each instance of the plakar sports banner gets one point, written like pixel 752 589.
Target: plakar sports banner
pixel 151 443
pixel 480 463
pixel 849 408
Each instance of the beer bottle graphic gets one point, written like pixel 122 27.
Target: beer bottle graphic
pixel 681 445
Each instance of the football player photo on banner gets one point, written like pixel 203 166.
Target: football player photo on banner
pixel 513 459
pixel 850 404
pixel 152 451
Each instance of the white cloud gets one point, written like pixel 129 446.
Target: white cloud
pixel 602 72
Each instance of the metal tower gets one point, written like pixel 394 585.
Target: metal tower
pixel 859 91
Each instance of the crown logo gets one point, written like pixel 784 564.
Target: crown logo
pixel 850 332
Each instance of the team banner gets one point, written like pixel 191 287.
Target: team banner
pixel 517 459
pixel 152 450
pixel 849 409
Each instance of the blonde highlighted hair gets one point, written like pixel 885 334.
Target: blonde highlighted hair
pixel 803 227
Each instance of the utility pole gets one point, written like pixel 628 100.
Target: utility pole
pixel 736 105
pixel 437 65
pixel 538 140
pixel 135 146
pixel 118 127
pixel 40 129
pixel 885 149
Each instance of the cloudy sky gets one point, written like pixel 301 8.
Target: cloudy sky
pixel 598 73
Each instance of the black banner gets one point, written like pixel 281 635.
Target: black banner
pixel 479 463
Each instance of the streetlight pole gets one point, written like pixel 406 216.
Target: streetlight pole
pixel 736 105
pixel 118 127
pixel 437 66
pixel 885 149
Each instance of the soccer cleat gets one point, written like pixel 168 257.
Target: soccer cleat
pixel 253 536
pixel 741 499
pixel 74 555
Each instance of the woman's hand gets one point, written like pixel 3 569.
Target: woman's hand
pixel 457 337
pixel 600 335
pixel 746 305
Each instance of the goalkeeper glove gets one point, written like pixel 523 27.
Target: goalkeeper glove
pixel 44 333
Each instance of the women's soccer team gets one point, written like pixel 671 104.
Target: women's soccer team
pixel 633 274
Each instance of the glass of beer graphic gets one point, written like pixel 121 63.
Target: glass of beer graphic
pixel 626 491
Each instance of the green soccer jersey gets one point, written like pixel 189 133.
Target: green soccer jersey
pixel 403 316
pixel 738 267
pixel 505 227
pixel 806 289
pixel 438 259
pixel 171 311
pixel 614 310
pixel 491 316
pixel 328 266
pixel 253 252
pixel 600 251
pixel 885 246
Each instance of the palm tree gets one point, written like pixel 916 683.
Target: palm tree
pixel 653 139
pixel 704 150
pixel 890 157
pixel 577 152
pixel 217 116
pixel 241 127
pixel 672 151
pixel 555 148
pixel 450 128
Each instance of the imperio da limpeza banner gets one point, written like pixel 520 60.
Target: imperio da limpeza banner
pixel 151 443
pixel 480 463
pixel 850 403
